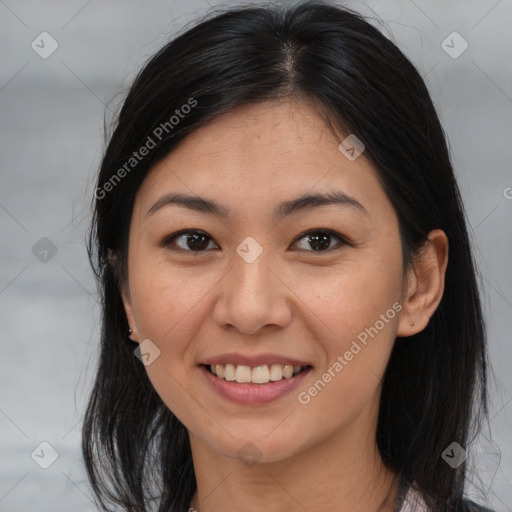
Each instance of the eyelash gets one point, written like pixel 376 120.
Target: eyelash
pixel 169 239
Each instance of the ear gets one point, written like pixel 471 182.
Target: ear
pixel 425 284
pixel 124 290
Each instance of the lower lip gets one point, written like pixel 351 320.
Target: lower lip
pixel 253 394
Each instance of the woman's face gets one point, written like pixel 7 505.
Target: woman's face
pixel 254 290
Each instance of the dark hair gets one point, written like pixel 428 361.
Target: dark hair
pixel 434 389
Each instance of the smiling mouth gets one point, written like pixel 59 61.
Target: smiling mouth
pixel 262 374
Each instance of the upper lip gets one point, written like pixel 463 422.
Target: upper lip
pixel 258 360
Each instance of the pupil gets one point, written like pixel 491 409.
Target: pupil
pixel 321 240
pixel 199 242
pixel 194 241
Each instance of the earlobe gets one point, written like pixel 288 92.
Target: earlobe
pixel 112 258
pixel 125 296
pixel 132 330
pixel 425 284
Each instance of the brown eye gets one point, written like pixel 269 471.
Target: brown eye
pixel 188 241
pixel 320 240
pixel 194 241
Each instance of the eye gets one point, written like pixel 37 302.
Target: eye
pixel 198 241
pixel 188 241
pixel 320 240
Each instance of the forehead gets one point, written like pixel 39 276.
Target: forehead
pixel 259 154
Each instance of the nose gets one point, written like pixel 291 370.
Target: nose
pixel 252 297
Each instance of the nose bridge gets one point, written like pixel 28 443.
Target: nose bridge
pixel 251 269
pixel 250 266
pixel 251 297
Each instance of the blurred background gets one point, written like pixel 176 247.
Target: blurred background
pixel 64 68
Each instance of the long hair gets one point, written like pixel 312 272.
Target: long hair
pixel 434 392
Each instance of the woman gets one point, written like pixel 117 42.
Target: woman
pixel 291 318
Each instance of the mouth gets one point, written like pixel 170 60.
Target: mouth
pixel 259 375
pixel 253 381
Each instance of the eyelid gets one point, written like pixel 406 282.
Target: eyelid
pixel 168 239
pixel 343 240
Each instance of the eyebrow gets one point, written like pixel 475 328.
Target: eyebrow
pixel 286 208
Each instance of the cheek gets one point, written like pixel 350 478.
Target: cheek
pixel 354 313
pixel 165 301
pixel 168 306
pixel 341 302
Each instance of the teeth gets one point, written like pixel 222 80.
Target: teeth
pixel 287 371
pixel 260 374
pixel 257 375
pixel 243 373
pixel 229 372
pixel 276 372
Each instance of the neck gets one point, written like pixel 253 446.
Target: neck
pixel 345 473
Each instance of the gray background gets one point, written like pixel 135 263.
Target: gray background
pixel 51 141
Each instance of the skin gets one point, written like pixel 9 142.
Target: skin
pixel 291 300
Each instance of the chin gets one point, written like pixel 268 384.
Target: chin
pixel 265 443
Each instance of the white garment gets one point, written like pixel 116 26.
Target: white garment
pixel 413 502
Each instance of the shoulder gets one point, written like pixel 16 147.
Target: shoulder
pixel 413 502
pixel 471 506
